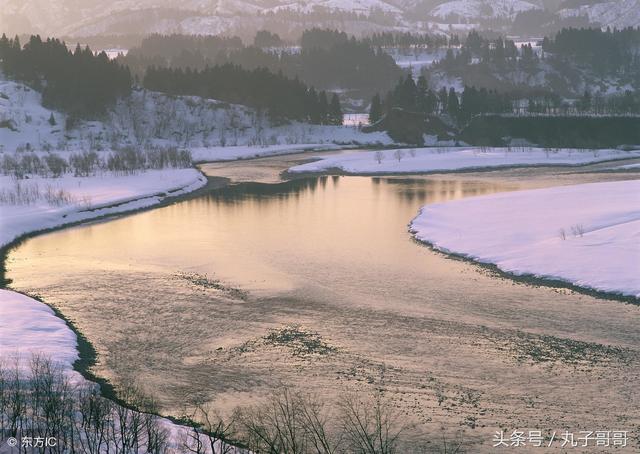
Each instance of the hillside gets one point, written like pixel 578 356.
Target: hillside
pixel 244 17
pixel 149 119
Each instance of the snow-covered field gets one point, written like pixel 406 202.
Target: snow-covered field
pixel 588 235
pixel 441 159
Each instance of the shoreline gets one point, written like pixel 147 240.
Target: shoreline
pixel 87 353
pixel 527 278
pixel 341 172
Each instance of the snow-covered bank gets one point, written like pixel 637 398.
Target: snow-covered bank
pixel 588 235
pixel 28 327
pixel 449 159
pixel 72 199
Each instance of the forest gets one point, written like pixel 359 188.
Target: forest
pixel 279 96
pixel 326 59
pixel 78 82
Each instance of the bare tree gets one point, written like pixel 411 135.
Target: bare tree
pixel 210 433
pixel 370 427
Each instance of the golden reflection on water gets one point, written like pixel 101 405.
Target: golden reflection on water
pixel 325 233
pixel 333 255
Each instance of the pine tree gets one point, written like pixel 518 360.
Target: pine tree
pixel 453 105
pixel 443 97
pixel 323 108
pixel 375 112
pixel 52 120
pixel 335 111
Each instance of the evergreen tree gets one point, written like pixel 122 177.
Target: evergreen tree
pixel 443 98
pixel 335 111
pixel 375 112
pixel 52 120
pixel 453 105
pixel 323 108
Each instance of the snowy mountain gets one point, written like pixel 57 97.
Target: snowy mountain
pixel 613 13
pixel 482 9
pixel 91 17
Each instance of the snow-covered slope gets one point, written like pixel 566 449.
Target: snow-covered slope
pixel 610 13
pixel 90 17
pixel 154 119
pixel 588 235
pixel 482 9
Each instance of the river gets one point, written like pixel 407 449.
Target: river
pixel 315 283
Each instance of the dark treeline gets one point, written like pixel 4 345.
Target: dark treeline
pixel 179 51
pixel 554 131
pixel 78 82
pixel 326 59
pixel 419 98
pixel 278 95
pixel 463 106
pixel 605 52
pixel 573 57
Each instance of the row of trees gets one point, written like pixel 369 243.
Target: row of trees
pixel 126 160
pixel 327 58
pixel 603 51
pixel 280 96
pixel 42 405
pixel 418 97
pixel 77 82
pixel 570 59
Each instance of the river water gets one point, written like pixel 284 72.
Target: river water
pixel 315 283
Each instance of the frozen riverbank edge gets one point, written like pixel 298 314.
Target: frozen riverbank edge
pixel 442 160
pixel 584 237
pixel 31 328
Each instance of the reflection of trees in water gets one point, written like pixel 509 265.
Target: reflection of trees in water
pixel 423 189
pixel 407 190
pixel 264 192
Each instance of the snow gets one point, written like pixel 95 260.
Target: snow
pixel 587 235
pixel 476 9
pixel 608 13
pixel 448 159
pixel 418 59
pixel 28 327
pixel 153 119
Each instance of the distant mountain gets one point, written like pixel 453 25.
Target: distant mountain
pixel 473 10
pixel 612 13
pixel 93 17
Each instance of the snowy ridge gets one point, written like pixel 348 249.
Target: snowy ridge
pixel 587 235
pixel 608 13
pixel 482 9
pixel 91 17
